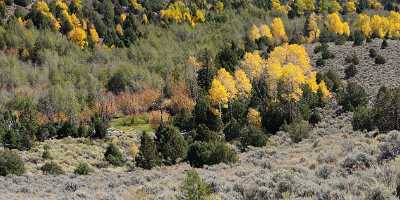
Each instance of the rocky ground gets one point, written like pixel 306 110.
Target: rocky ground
pixel 334 163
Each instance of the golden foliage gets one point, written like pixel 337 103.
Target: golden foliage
pixel 43 9
pixel 253 64
pixel 304 6
pixel 335 25
pixel 289 65
pixel 394 25
pixel 363 23
pixel 217 92
pixel 312 29
pixel 375 4
pixel 219 6
pixel 278 8
pixel 94 37
pixel 78 36
pixel 278 31
pixel 228 82
pixel 119 30
pixel 254 33
pixel 350 6
pixel 254 117
pixel 265 31
pixel 179 12
pixel 243 83
pixel 324 90
pixel 379 25
pixel 133 150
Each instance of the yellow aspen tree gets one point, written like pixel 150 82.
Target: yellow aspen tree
pixel 278 31
pixel 375 4
pixel 350 6
pixel 394 25
pixel 119 30
pixel 137 6
pixel 254 117
pixel 60 5
pixel 78 36
pixel 293 78
pixel 75 21
pixel 228 82
pixel 278 8
pixel 335 6
pixel 94 37
pixel 253 64
pixel 122 17
pixel 265 31
pixel 145 20
pixel 219 6
pixel 335 25
pixel 254 33
pixel 217 93
pixel 363 23
pixel 312 29
pixel 243 83
pixel 312 82
pixel 326 94
pixel 290 66
pixel 379 25
pixel 304 6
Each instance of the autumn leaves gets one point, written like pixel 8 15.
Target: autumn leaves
pixel 63 19
pixel 286 72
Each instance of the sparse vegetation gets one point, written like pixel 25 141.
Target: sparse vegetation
pixel 52 168
pixel 194 187
pixel 83 169
pixel 350 71
pixel 379 60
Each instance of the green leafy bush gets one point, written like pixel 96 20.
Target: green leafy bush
pixel 10 163
pixel 353 59
pixel 114 155
pixel 372 53
pixel 253 136
pixel 358 38
pixel 22 3
pixel 331 79
pixel 379 60
pixel 363 119
pixel 350 71
pixel 83 169
pixel 315 118
pixel 385 109
pixel 384 44
pixel 203 153
pixel 46 153
pixel 194 188
pixel 52 168
pixel 353 96
pixel 298 130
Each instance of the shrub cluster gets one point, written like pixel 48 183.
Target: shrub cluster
pixel 382 115
pixel 10 163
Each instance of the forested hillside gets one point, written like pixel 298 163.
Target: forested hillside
pixel 124 85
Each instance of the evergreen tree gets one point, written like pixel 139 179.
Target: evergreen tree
pixel 148 155
pixel 171 144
